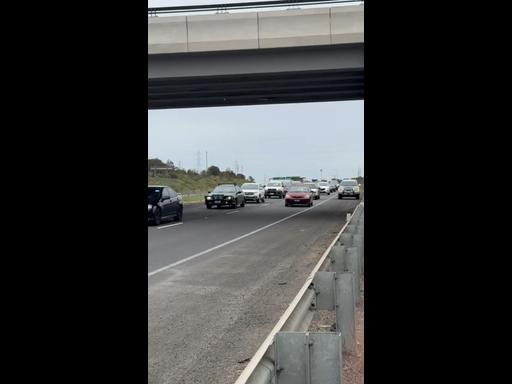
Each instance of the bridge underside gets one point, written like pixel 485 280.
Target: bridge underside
pixel 274 76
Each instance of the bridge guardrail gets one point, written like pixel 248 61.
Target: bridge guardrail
pixel 224 8
pixel 290 354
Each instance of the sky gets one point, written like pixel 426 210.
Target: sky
pixel 266 140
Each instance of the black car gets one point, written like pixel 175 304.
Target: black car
pixel 164 204
pixel 225 195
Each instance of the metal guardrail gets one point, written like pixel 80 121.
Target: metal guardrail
pixel 223 7
pixel 290 354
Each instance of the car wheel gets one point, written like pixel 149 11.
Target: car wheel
pixel 158 216
pixel 340 197
pixel 311 203
pixel 258 200
pixel 242 204
pixel 357 197
pixel 208 206
pixel 263 199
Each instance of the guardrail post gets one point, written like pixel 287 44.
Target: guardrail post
pixel 337 256
pixel 325 290
pixel 352 265
pixel 308 357
pixel 345 239
pixel 345 310
pixel 358 241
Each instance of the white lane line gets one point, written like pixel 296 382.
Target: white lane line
pixel 235 239
pixel 170 225
pixel 264 205
pixel 229 213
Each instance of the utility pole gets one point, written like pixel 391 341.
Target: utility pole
pixel 198 161
pixel 321 170
pixel 207 160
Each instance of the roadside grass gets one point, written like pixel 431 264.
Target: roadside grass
pixel 192 187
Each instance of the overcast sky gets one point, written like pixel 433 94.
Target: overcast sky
pixel 267 140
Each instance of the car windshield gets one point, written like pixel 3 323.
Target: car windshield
pixel 274 184
pixel 154 195
pixel 323 184
pixel 310 185
pixel 224 189
pixel 349 183
pixel 249 186
pixel 299 188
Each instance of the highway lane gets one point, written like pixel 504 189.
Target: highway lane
pixel 204 228
pixel 209 313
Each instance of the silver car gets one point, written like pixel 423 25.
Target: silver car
pixel 253 192
pixel 349 188
pixel 314 189
pixel 325 187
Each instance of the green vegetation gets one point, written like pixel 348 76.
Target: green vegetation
pixel 192 185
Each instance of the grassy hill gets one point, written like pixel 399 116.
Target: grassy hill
pixel 193 186
pixel 190 184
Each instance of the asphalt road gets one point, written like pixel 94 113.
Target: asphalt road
pixel 218 282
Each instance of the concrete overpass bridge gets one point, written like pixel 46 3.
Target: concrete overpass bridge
pixel 256 57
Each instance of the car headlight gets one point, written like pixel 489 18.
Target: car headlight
pixel 229 197
pixel 150 207
pixel 208 197
pixel 356 189
pixel 340 189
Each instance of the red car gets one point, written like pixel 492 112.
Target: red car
pixel 299 195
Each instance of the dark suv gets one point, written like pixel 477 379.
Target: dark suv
pixel 225 195
pixel 164 204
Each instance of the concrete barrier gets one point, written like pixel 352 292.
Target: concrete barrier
pixel 294 28
pixel 222 32
pixel 253 30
